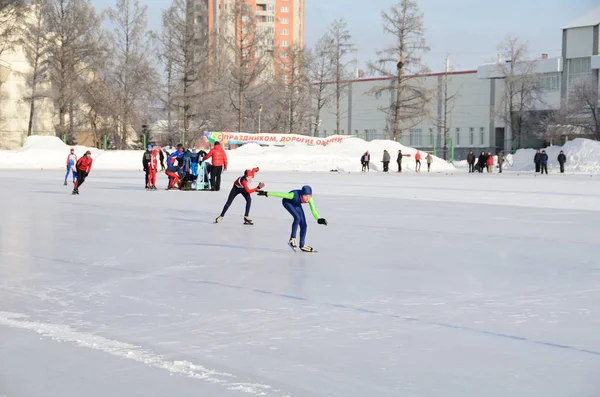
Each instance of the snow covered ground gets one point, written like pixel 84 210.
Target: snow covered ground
pixel 425 285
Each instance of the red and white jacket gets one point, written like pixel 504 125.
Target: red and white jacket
pixel 242 181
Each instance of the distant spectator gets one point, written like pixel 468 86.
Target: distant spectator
pixel 537 161
pixel 429 160
pixel 399 159
pixel 364 161
pixel 544 162
pixel 481 162
pixel 489 162
pixel 471 161
pixel 418 162
pixel 562 159
pixel 500 161
pixel 386 161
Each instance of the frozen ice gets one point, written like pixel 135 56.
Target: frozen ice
pixel 434 284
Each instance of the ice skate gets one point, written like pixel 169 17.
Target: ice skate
pixel 248 221
pixel 219 219
pixel 292 243
pixel 65 184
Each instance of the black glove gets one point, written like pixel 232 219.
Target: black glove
pixel 322 221
pixel 262 193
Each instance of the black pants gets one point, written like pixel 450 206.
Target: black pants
pixel 232 195
pixel 545 168
pixel 147 176
pixel 399 166
pixel 215 177
pixel 428 167
pixel 471 168
pixel 418 165
pixel 537 167
pixel 562 168
pixel 81 175
pixel 386 166
pixel 500 167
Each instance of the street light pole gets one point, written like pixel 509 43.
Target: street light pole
pixel 260 109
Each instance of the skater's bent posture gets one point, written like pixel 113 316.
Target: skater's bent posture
pixel 292 202
pixel 84 166
pixel 240 186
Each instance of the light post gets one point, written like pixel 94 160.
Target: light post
pixel 260 109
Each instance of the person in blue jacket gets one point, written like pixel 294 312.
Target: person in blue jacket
pixel 544 162
pixel 292 202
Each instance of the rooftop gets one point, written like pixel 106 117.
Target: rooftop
pixel 591 18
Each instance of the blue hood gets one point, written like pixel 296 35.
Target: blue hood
pixel 306 190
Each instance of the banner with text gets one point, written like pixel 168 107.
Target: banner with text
pixel 241 138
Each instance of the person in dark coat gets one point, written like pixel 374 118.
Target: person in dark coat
pixel 537 161
pixel 386 161
pixel 482 162
pixel 544 162
pixel 562 159
pixel 471 161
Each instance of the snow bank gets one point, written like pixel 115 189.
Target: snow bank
pixel 51 153
pixel 583 156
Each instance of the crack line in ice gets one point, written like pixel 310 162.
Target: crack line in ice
pixel 358 309
pixel 64 333
pixel 406 318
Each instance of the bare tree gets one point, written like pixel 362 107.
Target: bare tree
pixel 581 115
pixel 404 21
pixel 11 16
pixel 321 73
pixel 340 35
pixel 248 52
pixel 185 56
pixel 295 83
pixel 133 74
pixel 522 94
pixel 448 100
pixel 74 38
pixel 33 42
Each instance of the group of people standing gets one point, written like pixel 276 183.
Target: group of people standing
pixel 184 166
pixel 485 161
pixel 366 158
pixel 541 161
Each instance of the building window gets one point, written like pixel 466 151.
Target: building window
pixel 270 7
pixel 285 9
pixel 549 81
pixel 284 43
pixel 285 21
pixel 457 136
pixel 471 136
pixel 482 133
pixel 579 67
pixel 285 32
pixel 415 137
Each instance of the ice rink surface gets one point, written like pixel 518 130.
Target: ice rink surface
pixel 424 285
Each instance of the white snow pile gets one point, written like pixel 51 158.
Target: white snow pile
pixel 42 152
pixel 583 157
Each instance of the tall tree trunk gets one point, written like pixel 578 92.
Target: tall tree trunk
pixel 31 110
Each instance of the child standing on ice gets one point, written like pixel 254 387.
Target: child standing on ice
pixel 71 161
pixel 292 202
pixel 240 186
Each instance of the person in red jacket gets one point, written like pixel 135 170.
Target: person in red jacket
pixel 490 162
pixel 84 166
pixel 153 169
pixel 418 162
pixel 240 186
pixel 219 163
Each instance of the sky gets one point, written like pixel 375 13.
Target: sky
pixel 469 31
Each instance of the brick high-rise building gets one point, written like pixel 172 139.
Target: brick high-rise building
pixel 280 22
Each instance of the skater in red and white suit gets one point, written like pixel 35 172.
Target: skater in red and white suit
pixel 240 186
pixel 153 169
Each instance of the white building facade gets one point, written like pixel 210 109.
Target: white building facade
pixel 477 120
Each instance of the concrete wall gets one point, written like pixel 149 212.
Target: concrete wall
pixel 580 42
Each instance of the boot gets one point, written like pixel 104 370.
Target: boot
pixel 248 221
pixel 65 184
pixel 219 219
pixel 292 242
pixel 306 248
